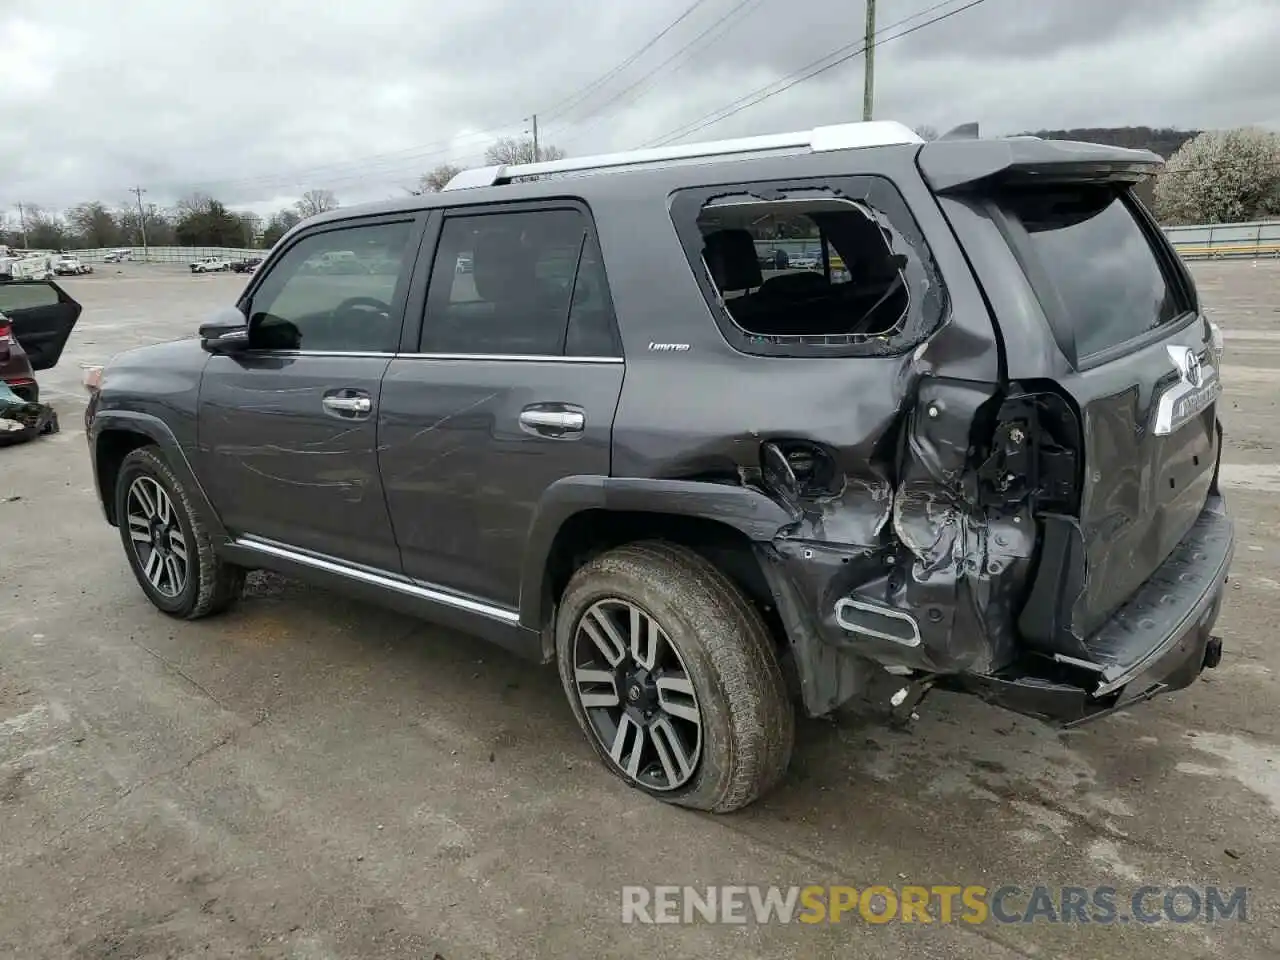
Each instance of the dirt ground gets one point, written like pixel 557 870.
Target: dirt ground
pixel 309 777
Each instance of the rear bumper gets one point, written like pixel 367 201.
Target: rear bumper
pixel 1171 616
pixel 1176 605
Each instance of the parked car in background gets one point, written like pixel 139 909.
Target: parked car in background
pixel 210 265
pixel 118 256
pixel 68 266
pixel 246 266
pixel 36 318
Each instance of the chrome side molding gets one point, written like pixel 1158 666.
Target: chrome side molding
pixel 375 578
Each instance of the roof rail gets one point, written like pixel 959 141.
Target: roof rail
pixel 843 136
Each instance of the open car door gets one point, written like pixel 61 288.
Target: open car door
pixel 41 315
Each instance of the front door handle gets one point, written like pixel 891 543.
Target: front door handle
pixel 341 405
pixel 552 421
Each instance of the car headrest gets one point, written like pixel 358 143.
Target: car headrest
pixel 501 266
pixel 731 258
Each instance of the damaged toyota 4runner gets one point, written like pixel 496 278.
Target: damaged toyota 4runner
pixel 973 445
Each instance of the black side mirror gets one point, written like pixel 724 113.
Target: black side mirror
pixel 225 332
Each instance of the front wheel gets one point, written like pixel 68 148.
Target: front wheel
pixel 168 545
pixel 673 677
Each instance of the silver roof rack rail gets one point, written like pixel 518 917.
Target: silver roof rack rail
pixel 844 136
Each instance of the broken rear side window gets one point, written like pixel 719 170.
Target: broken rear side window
pixel 837 268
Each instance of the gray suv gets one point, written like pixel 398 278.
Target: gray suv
pixel 565 408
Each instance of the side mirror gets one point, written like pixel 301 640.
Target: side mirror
pixel 226 331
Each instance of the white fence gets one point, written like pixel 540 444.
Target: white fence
pixel 169 254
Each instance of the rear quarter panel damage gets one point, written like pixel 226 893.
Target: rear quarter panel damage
pixel 884 509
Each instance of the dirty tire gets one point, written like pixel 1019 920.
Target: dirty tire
pixel 211 584
pixel 748 722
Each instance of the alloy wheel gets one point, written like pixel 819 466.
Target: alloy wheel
pixel 157 538
pixel 636 693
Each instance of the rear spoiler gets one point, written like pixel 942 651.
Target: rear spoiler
pixel 958 165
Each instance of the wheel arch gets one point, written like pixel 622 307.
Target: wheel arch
pixel 580 517
pixel 117 433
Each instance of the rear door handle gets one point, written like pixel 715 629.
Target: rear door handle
pixel 546 420
pixel 347 404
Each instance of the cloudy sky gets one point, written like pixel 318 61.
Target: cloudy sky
pixel 254 102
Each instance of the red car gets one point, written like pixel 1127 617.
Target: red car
pixel 36 318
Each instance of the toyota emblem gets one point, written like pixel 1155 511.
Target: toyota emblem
pixel 1193 374
pixel 1188 364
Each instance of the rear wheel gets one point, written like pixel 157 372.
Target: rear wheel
pixel 672 675
pixel 167 543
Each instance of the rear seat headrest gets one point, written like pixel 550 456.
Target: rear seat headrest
pixel 732 259
pixel 502 266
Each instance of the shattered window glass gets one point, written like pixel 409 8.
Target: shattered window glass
pixel 812 267
pixel 830 266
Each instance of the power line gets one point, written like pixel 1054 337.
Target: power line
pixel 687 51
pixel 359 167
pixel 812 63
pixel 760 95
pixel 299 175
pixel 564 105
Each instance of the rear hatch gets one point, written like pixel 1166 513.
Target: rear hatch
pixel 1093 306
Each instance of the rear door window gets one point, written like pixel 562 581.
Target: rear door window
pixel 519 283
pixel 1095 265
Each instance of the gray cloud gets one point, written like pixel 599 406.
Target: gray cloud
pixel 255 103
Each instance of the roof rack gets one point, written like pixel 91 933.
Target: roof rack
pixel 843 136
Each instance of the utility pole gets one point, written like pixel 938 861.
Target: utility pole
pixel 22 221
pixel 142 221
pixel 537 154
pixel 869 60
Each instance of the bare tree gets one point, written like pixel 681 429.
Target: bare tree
pixel 926 132
pixel 510 150
pixel 195 204
pixel 1221 177
pixel 159 226
pixel 45 231
pixel 315 202
pixel 435 180
pixel 94 225
pixel 280 223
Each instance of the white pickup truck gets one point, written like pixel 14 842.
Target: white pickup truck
pixel 210 265
pixel 67 266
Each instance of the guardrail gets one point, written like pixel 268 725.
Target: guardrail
pixel 1226 240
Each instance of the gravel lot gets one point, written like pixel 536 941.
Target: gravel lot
pixel 311 777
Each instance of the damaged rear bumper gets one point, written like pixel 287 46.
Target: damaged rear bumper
pixel 1169 621
pixel 1159 641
